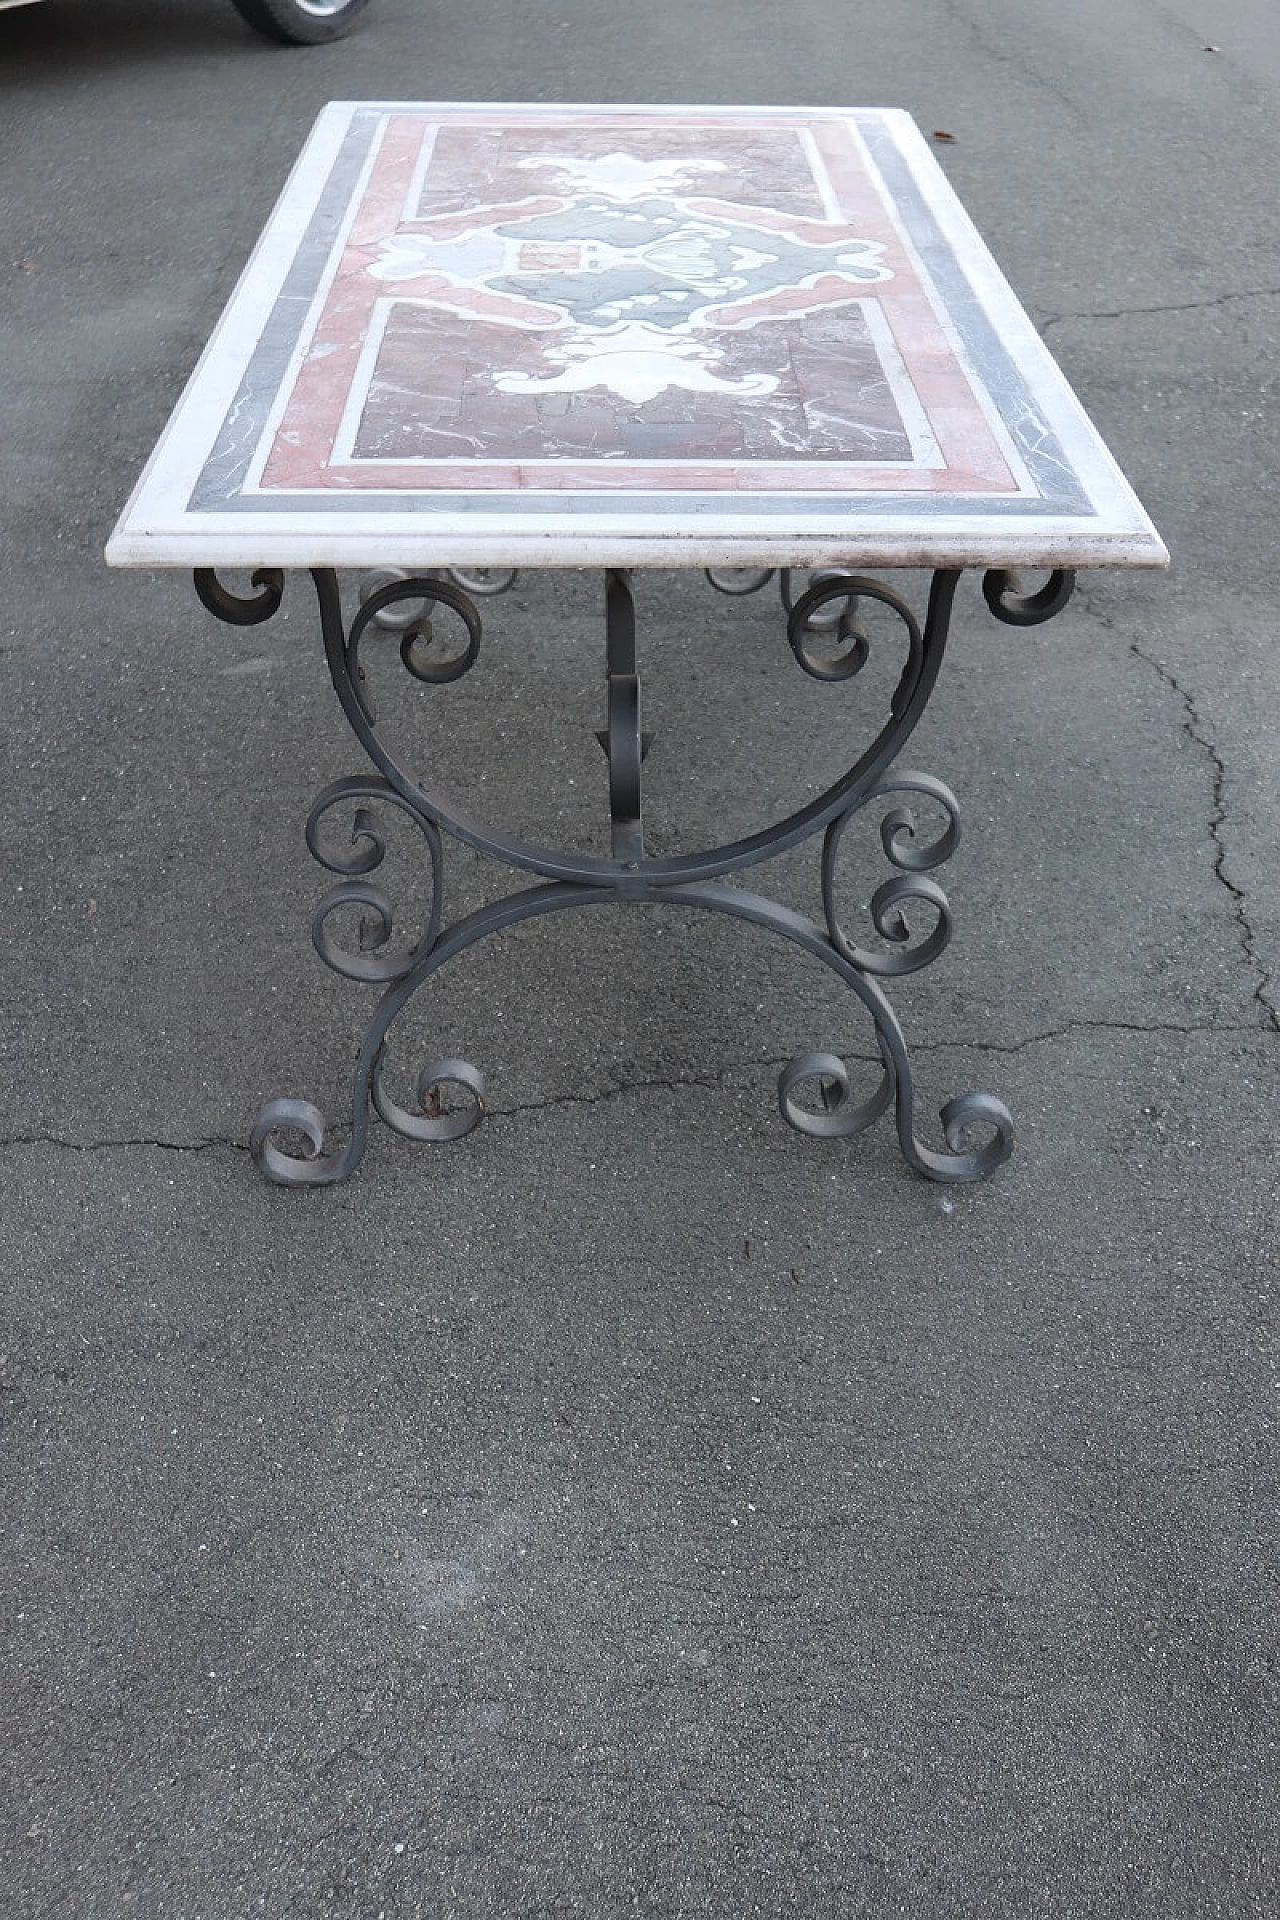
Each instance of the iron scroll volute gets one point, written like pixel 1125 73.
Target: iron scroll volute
pixel 1002 591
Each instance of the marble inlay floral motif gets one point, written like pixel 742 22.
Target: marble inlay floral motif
pixel 624 274
pixel 629 298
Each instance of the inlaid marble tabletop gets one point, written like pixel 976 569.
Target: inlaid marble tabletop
pixel 552 335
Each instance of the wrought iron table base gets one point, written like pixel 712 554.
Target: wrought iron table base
pixel 627 874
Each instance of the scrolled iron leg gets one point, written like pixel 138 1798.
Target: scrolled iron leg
pixel 405 604
pixel 839 1115
pixel 830 643
pixel 369 1087
pixel 832 629
pixel 372 961
pixel 915 858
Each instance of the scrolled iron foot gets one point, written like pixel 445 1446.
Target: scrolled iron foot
pixel 314 1169
pixel 320 1169
pixel 961 1166
pixel 432 1123
pixel 317 1168
pixel 840 1116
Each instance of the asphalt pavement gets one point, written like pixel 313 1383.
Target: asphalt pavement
pixel 637 1508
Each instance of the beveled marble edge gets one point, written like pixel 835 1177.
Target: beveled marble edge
pixel 155 528
pixel 418 550
pixel 454 540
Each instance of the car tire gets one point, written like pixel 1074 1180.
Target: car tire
pixel 301 23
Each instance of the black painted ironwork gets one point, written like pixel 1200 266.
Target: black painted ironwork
pixel 1002 592
pixel 624 744
pixel 831 640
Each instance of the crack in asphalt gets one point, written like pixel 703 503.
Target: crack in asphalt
pixel 1000 51
pixel 1217 823
pixel 1173 306
pixel 920 1050
pixel 1193 726
pixel 676 1083
pixel 143 1141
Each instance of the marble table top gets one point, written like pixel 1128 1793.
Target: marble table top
pixel 652 336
